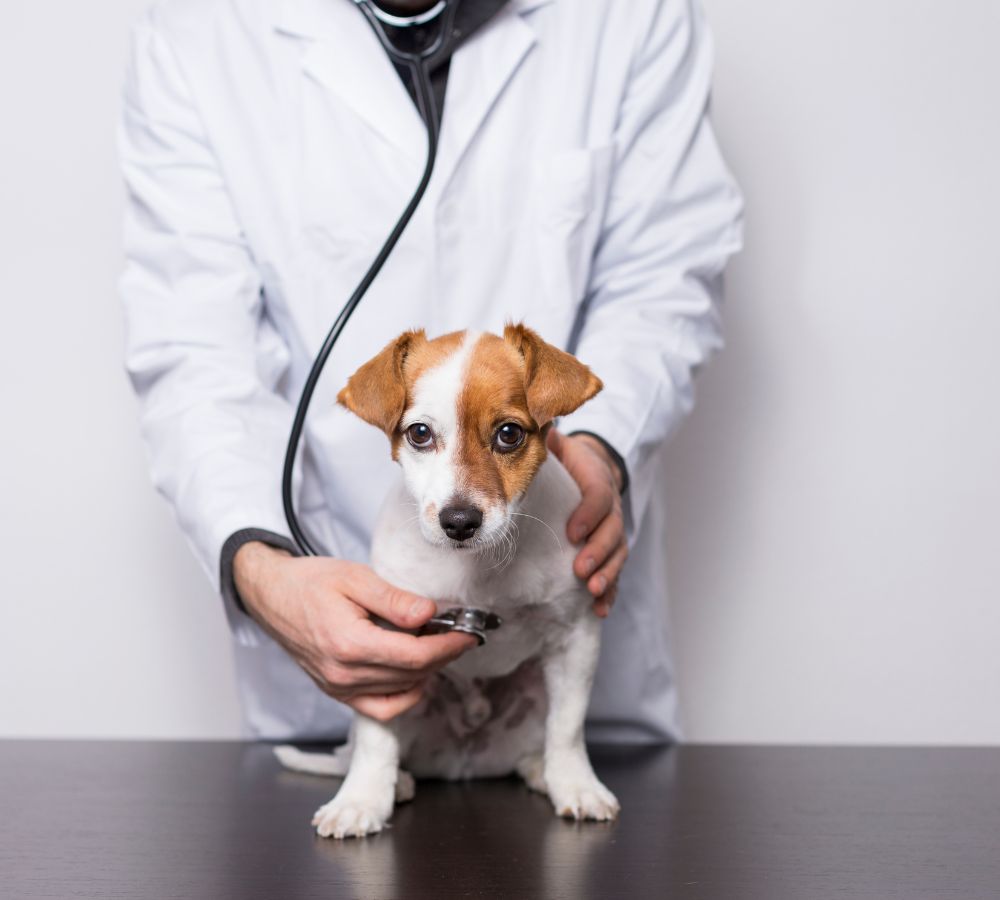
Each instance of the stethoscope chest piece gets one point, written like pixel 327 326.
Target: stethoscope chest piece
pixel 465 619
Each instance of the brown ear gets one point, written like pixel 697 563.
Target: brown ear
pixel 377 391
pixel 556 382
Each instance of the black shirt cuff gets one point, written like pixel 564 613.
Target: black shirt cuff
pixel 227 584
pixel 616 457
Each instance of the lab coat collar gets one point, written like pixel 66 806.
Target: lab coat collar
pixel 357 69
pixel 360 73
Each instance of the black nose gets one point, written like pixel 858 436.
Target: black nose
pixel 460 522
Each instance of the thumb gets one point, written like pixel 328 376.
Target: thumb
pixel 391 603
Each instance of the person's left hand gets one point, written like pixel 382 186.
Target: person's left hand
pixel 598 519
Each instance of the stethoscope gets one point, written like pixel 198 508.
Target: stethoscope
pixel 472 621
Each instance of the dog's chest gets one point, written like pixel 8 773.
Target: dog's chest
pixel 525 634
pixel 536 598
pixel 532 587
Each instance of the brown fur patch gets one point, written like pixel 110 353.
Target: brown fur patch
pixel 494 393
pixel 431 354
pixel 556 381
pixel 377 391
pixel 518 378
pixel 381 390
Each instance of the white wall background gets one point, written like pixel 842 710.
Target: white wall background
pixel 835 537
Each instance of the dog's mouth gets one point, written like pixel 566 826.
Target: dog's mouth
pixel 468 545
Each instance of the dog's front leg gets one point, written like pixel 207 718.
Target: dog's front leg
pixel 364 802
pixel 573 788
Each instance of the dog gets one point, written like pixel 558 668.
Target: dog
pixel 475 521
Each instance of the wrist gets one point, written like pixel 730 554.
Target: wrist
pixel 252 567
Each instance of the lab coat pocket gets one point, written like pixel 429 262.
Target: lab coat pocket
pixel 571 189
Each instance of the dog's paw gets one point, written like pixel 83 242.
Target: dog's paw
pixel 342 818
pixel 584 798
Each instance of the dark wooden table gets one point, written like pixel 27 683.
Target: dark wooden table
pixel 218 820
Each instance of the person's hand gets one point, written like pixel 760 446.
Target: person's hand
pixel 598 519
pixel 317 609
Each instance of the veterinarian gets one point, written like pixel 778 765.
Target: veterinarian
pixel 268 146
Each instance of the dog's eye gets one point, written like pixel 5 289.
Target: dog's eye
pixel 420 436
pixel 508 437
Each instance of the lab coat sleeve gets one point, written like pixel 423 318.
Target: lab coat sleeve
pixel 201 352
pixel 673 218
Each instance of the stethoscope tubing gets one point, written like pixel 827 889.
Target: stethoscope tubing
pixel 419 67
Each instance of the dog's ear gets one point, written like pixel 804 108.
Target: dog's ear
pixel 377 391
pixel 556 382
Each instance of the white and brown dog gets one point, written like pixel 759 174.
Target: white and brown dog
pixel 476 521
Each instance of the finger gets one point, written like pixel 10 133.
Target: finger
pixel 402 608
pixel 377 690
pixel 366 678
pixel 388 706
pixel 605 577
pixel 381 647
pixel 604 603
pixel 599 547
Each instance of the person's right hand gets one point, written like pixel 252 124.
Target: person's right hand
pixel 317 609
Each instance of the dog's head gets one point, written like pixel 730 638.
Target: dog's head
pixel 467 415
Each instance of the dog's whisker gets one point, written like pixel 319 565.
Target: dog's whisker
pixel 546 524
pixel 404 524
pixel 500 544
pixel 510 543
pixel 504 546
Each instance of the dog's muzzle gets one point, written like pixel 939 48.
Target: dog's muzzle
pixel 466 619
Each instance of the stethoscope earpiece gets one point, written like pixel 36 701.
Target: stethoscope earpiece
pixel 404 21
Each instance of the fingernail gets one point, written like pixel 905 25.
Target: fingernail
pixel 602 584
pixel 588 565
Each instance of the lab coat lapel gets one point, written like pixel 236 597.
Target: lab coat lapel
pixel 343 54
pixel 480 70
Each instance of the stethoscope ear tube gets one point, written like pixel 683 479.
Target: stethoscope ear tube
pixel 419 67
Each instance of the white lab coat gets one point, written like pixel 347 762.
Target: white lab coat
pixel 268 146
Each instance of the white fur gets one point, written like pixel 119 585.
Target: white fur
pixel 431 474
pixel 546 649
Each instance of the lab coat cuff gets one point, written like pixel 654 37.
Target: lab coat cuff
pixel 239 618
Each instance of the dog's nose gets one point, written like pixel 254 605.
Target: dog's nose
pixel 460 522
